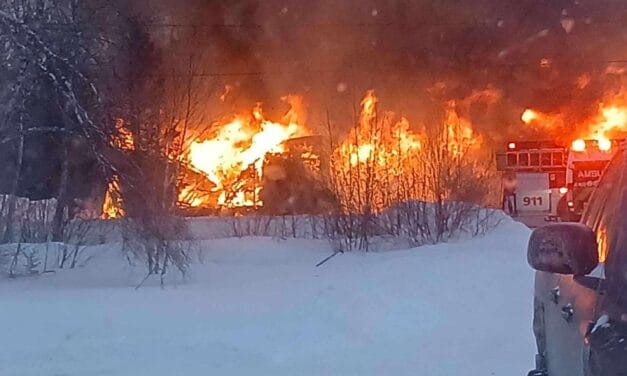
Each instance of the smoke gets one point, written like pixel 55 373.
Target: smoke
pixel 561 56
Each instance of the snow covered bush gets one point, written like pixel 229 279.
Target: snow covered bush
pixel 161 243
pixel 19 260
pixel 4 260
pixel 77 235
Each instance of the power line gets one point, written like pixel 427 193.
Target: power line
pixel 347 69
pixel 283 24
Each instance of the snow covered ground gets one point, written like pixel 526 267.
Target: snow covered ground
pixel 258 306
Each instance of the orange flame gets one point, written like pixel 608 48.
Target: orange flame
pixel 124 139
pixel 541 119
pixel 372 141
pixel 188 196
pixel 381 160
pixel 112 204
pixel 237 146
pixel 368 109
pixel 459 131
pixel 529 115
pixel 610 121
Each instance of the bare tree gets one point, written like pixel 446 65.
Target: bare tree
pixel 77 236
pixel 70 47
pixel 161 243
pixel 414 187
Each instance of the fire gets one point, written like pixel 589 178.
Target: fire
pixel 529 115
pixel 541 119
pixel 378 151
pixel 379 142
pixel 239 146
pixel 240 199
pixel 609 121
pixel 188 196
pixel 112 204
pixel 368 109
pixel 382 139
pixel 124 139
pixel 601 124
pixel 362 154
pixel 383 161
pixel 459 131
pixel 408 141
pixel 240 164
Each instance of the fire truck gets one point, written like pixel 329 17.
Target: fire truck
pixel 538 172
pixel 551 180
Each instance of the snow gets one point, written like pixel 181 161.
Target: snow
pixel 258 306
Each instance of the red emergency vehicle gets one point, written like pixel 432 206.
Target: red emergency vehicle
pixel 587 160
pixel 554 180
pixel 539 171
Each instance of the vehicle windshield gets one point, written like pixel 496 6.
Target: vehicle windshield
pixel 312 187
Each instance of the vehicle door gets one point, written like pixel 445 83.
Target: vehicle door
pixel 608 337
pixel 573 300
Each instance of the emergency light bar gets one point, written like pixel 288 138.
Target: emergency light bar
pixel 602 144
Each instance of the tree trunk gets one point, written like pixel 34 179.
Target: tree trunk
pixel 10 221
pixel 59 217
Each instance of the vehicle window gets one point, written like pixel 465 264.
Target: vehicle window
pixel 523 159
pixel 546 159
pixel 558 159
pixel 534 159
pixel 512 159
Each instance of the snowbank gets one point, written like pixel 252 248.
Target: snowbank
pixel 258 306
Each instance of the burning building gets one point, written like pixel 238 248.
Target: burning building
pixel 251 163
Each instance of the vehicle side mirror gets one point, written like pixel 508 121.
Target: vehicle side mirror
pixel 563 248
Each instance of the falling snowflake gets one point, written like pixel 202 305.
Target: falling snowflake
pixel 568 24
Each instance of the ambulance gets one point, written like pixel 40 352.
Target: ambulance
pixel 553 180
pixel 586 162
